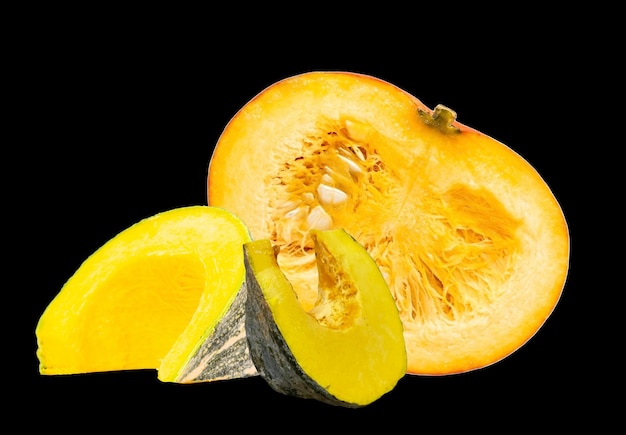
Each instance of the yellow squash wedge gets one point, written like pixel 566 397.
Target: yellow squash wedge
pixel 148 297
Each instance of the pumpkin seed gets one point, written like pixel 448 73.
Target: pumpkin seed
pixel 328 195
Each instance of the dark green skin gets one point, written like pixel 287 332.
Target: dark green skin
pixel 219 361
pixel 271 354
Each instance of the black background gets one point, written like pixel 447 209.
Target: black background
pixel 121 110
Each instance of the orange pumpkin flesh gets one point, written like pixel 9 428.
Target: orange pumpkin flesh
pixel 471 240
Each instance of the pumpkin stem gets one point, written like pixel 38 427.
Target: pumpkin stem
pixel 441 118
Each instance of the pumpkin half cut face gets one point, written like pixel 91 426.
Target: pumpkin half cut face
pixel 471 241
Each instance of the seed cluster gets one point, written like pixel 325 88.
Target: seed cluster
pixel 336 305
pixel 462 240
pixel 325 184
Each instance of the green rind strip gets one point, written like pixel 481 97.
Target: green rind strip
pixel 225 353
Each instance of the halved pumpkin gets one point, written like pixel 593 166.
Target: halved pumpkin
pixel 472 242
pixel 148 297
pixel 349 349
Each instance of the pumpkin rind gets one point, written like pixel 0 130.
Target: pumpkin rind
pixel 224 353
pixel 349 349
pixel 471 240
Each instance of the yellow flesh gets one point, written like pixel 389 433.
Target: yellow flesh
pixel 131 300
pixel 134 322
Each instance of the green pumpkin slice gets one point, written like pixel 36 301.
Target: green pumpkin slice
pixel 349 350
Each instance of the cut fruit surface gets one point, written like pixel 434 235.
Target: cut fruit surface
pixel 348 350
pixel 470 239
pixel 132 301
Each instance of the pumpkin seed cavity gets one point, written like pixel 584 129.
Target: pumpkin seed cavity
pixel 337 306
pixel 457 266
